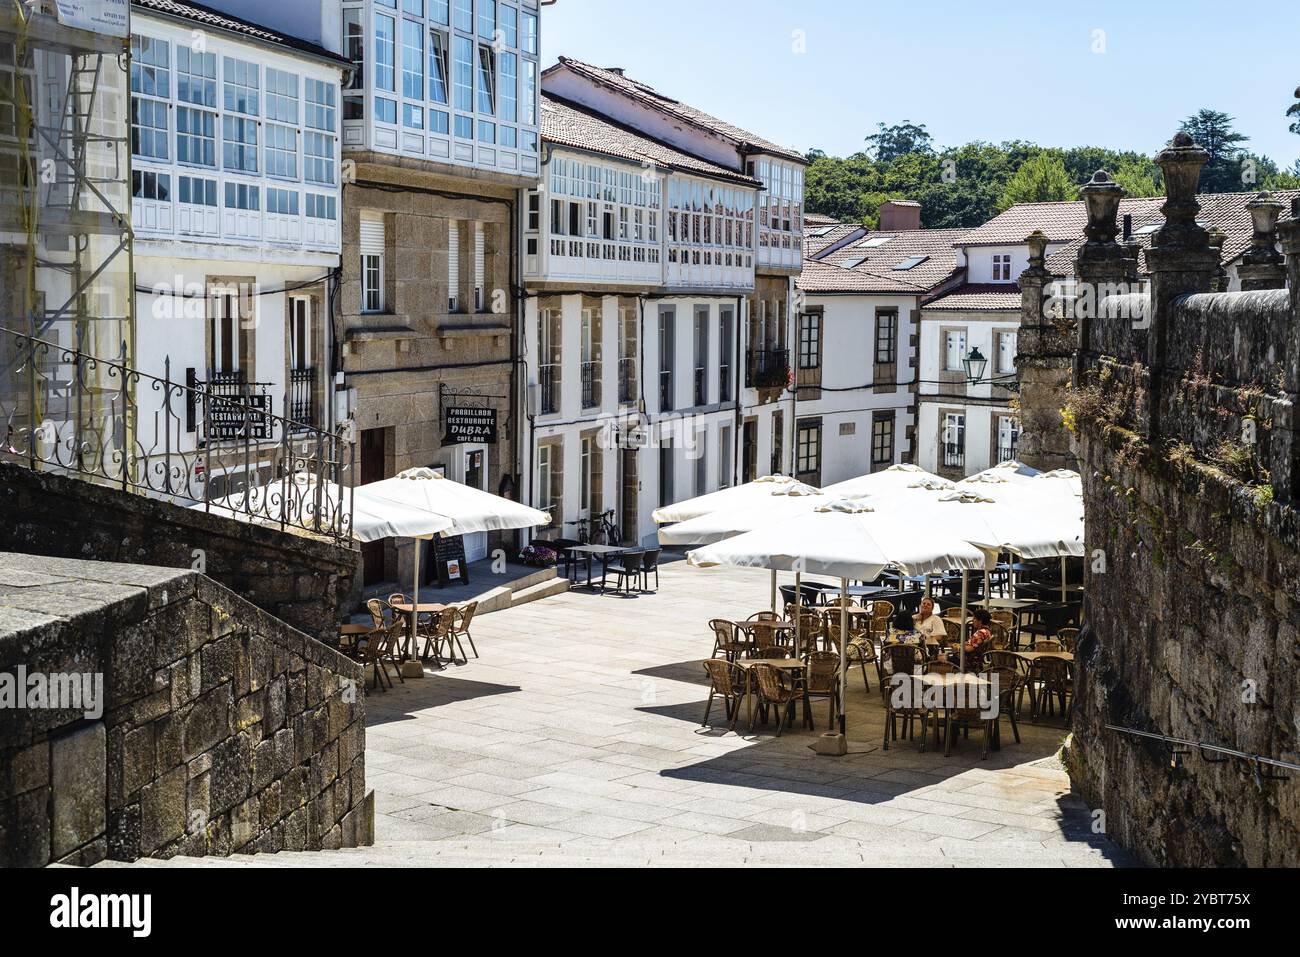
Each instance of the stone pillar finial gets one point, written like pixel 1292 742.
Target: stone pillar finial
pixel 1262 267
pixel 1101 196
pixel 1181 163
pixel 1037 243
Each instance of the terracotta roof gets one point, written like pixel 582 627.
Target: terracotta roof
pixel 197 13
pixel 821 233
pixel 1226 211
pixel 649 96
pixel 978 297
pixel 568 124
pixel 841 270
pixel 1061 222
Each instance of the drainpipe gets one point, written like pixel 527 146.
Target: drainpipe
pixel 742 320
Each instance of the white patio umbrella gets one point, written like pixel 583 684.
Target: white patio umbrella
pixel 1054 499
pixel 845 539
pixel 895 477
pixel 732 511
pixel 749 493
pixel 421 504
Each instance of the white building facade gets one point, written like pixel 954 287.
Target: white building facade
pixel 236 208
pixel 661 253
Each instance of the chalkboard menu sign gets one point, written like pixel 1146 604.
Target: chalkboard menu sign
pixel 449 559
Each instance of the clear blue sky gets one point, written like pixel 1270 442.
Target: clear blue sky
pixel 1009 69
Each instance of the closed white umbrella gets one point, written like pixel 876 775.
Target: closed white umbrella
pixel 844 538
pixel 781 501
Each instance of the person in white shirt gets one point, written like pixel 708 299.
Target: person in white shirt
pixel 928 623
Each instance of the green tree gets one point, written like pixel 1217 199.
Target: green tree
pixel 1213 132
pixel 1139 177
pixel 1294 111
pixel 890 142
pixel 1040 179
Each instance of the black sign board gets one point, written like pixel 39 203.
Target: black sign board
pixel 229 417
pixel 470 425
pixel 449 559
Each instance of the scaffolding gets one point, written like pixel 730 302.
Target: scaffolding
pixel 65 234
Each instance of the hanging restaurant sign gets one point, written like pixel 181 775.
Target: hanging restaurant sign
pixel 467 425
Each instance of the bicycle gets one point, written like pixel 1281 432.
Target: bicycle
pixel 608 530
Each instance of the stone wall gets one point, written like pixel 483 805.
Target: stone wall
pixel 222 731
pixel 301 579
pixel 1187 439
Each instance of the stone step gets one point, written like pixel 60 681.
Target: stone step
pixel 555 586
pixel 705 851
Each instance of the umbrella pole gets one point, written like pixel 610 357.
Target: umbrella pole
pixel 1063 598
pixel 961 648
pixel 798 611
pixel 773 589
pixel 415 612
pixel 844 638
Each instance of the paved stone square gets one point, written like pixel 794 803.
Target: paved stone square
pixel 576 737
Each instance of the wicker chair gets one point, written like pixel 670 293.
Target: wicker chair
pixel 778 689
pixel 764 616
pixel 1001 636
pixel 862 649
pixel 380 613
pixel 440 631
pixel 824 680
pixel 953 627
pixel 726 640
pixel 1048 645
pixel 380 650
pixel 910 705
pixel 1069 639
pixel 727 681
pixel 770 642
pixel 1057 685
pixel 811 630
pixel 1008 680
pixel 940 668
pixel 881 613
pixel 461 628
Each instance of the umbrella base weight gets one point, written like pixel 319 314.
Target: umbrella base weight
pixel 835 745
pixel 412 669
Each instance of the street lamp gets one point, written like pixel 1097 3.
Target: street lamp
pixel 975 364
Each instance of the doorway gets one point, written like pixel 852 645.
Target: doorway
pixel 374 460
pixel 629 489
pixel 468 464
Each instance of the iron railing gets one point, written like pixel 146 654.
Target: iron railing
pixel 666 391
pixel 701 387
pixel 724 382
pixel 302 397
pixel 626 380
pixel 548 387
pixel 1008 448
pixel 767 368
pixel 213 446
pixel 590 385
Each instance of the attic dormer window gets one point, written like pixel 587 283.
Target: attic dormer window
pixel 1002 267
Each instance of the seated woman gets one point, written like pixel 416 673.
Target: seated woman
pixel 903 628
pixel 980 640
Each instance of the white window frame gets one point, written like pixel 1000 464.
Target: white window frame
pixel 372 283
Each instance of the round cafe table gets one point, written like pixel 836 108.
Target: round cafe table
pixel 406 609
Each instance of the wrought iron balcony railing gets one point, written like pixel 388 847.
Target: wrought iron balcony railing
pixel 548 387
pixel 302 397
pixel 590 385
pixel 724 383
pixel 216 444
pixel 767 368
pixel 701 387
pixel 666 390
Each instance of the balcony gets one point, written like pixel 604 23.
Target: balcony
pixel 302 397
pixel 954 455
pixel 767 369
pixel 701 387
pixel 626 380
pixel 590 385
pixel 548 389
pixel 724 383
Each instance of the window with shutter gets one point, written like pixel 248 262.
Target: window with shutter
pixel 453 267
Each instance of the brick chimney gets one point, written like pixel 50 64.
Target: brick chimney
pixel 899 214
